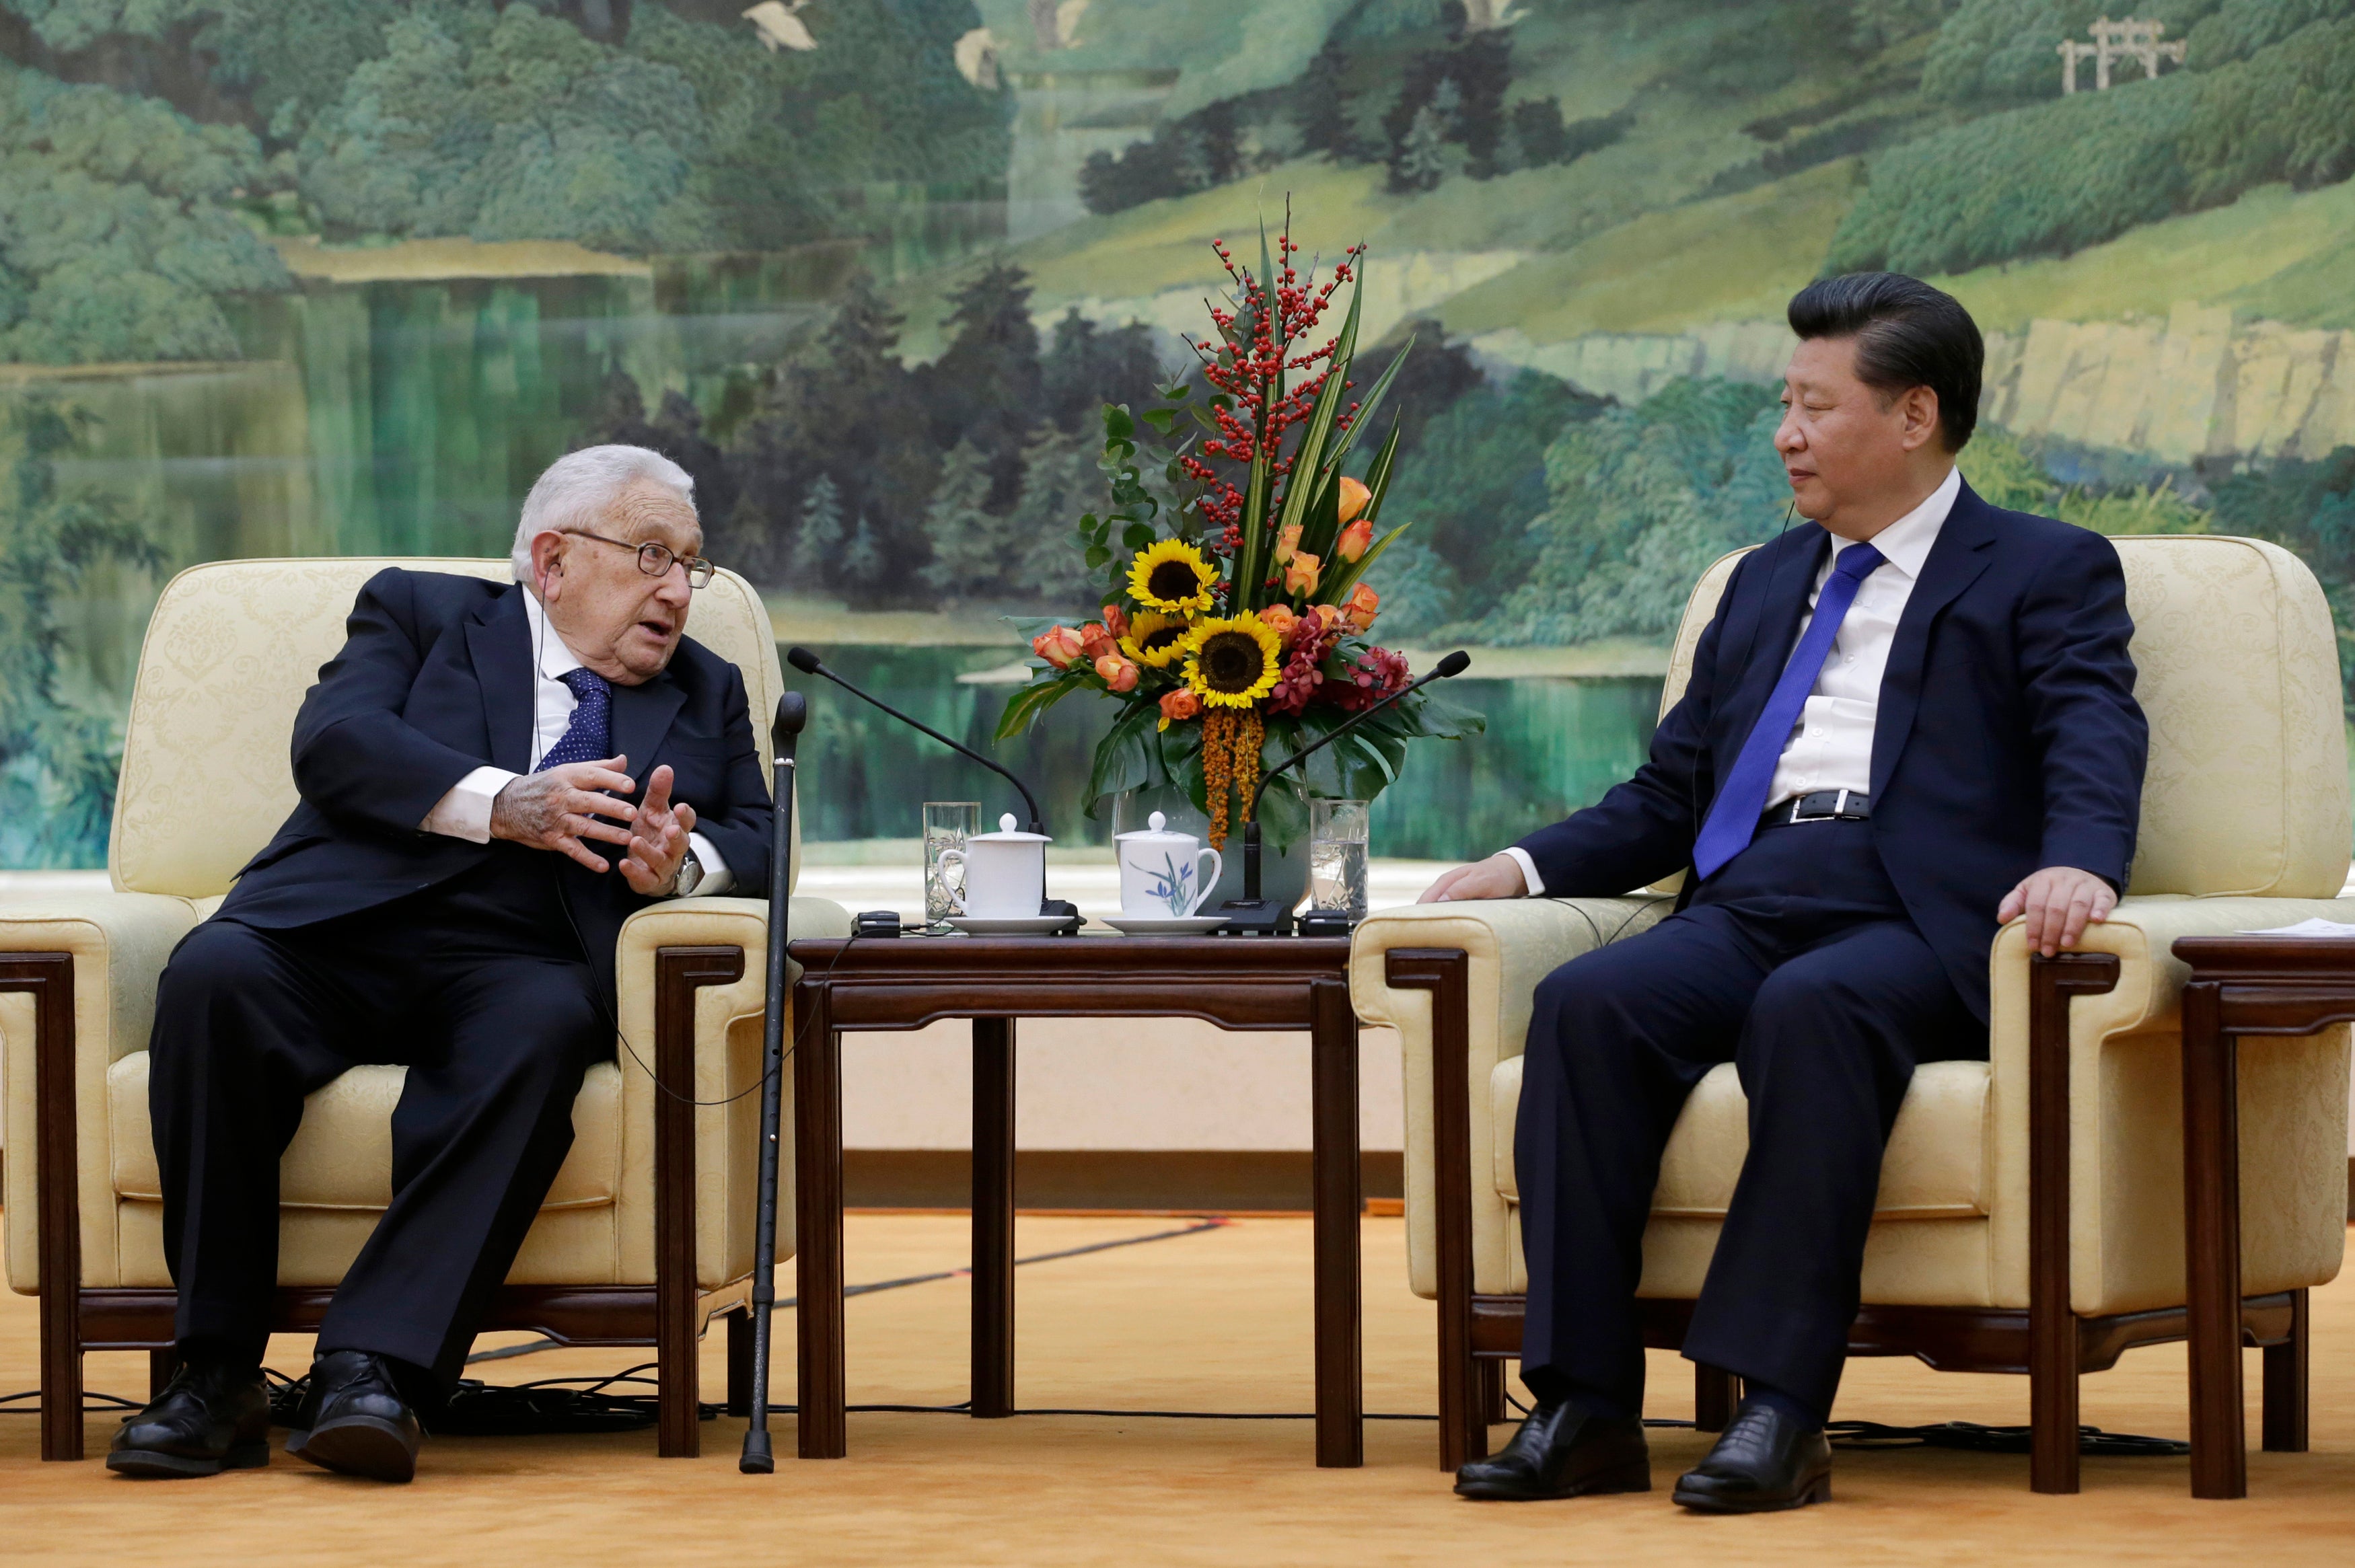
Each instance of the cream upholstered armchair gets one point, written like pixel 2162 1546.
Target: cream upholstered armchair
pixel 2030 1211
pixel 648 1230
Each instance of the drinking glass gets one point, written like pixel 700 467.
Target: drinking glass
pixel 1337 856
pixel 947 825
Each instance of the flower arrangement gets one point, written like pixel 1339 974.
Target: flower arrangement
pixel 1234 623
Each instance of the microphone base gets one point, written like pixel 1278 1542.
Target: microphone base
pixel 1255 918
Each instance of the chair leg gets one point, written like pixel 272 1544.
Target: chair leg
pixel 1491 1390
pixel 1715 1394
pixel 160 1365
pixel 2285 1368
pixel 2053 1439
pixel 740 1363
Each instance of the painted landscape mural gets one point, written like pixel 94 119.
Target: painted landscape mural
pixel 340 276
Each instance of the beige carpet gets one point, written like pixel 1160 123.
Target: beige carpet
pixel 1215 1321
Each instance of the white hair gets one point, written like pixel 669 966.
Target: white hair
pixel 577 487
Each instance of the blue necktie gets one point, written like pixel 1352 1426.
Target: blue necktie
pixel 590 736
pixel 1734 815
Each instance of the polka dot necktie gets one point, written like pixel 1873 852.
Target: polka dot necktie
pixel 589 738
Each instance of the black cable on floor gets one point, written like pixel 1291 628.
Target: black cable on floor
pixel 1209 1223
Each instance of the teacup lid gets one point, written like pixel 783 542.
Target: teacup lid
pixel 1156 826
pixel 1006 834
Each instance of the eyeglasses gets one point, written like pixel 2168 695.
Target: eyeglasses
pixel 656 560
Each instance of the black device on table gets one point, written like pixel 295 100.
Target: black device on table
pixel 1255 916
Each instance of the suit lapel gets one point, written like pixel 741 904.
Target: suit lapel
pixel 1773 628
pixel 1963 550
pixel 499 639
pixel 642 716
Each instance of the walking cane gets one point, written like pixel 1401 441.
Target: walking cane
pixel 793 712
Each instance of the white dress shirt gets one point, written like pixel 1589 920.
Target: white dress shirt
pixel 466 811
pixel 1830 748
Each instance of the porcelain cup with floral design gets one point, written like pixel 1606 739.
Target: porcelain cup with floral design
pixel 1164 875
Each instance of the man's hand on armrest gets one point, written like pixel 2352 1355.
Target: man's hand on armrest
pixel 557 808
pixel 1498 877
pixel 2058 901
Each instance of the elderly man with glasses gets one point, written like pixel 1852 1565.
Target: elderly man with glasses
pixel 493 779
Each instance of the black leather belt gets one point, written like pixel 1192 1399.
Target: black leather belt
pixel 1823 806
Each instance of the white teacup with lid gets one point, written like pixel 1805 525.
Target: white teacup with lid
pixel 1165 874
pixel 1004 873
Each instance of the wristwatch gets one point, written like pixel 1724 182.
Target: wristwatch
pixel 689 877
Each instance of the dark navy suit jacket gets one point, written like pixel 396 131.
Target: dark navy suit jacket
pixel 435 680
pixel 2007 737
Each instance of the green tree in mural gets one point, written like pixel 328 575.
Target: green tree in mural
pixel 817 544
pixel 1641 501
pixel 974 549
pixel 116 238
pixel 984 387
pixel 1086 367
pixel 57 756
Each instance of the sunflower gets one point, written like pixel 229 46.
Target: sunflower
pixel 1172 577
pixel 1234 662
pixel 1155 639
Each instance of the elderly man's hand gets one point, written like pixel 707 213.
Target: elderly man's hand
pixel 1498 877
pixel 657 839
pixel 559 807
pixel 2058 901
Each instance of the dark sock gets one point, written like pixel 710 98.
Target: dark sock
pixel 217 1355
pixel 1788 1405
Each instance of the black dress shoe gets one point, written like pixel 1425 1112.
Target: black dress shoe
pixel 210 1417
pixel 355 1421
pixel 1767 1459
pixel 1562 1452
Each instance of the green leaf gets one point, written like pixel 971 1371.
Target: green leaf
pixel 1022 710
pixel 1370 402
pixel 1377 474
pixel 1129 755
pixel 1097 556
pixel 1136 535
pixel 1161 419
pixel 1118 426
pixel 1309 456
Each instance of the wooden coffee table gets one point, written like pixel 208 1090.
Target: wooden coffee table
pixel 1236 983
pixel 2240 985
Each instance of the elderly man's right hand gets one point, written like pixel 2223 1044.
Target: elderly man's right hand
pixel 556 808
pixel 1498 877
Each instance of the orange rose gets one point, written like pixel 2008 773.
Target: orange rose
pixel 1326 613
pixel 1117 673
pixel 1116 622
pixel 1286 543
pixel 1060 646
pixel 1362 606
pixel 1354 496
pixel 1178 706
pixel 1355 540
pixel 1300 575
pixel 1279 619
pixel 1095 641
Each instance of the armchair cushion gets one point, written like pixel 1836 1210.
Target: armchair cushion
pixel 1934 1170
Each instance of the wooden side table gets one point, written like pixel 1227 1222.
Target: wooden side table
pixel 2240 985
pixel 1244 983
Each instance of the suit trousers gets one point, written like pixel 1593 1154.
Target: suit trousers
pixel 478 987
pixel 1797 962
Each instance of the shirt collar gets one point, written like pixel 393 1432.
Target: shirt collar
pixel 1905 543
pixel 555 659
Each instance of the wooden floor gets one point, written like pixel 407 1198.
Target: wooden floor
pixel 1212 1321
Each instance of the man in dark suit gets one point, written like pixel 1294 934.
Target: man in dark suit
pixel 471 836
pixel 1905 726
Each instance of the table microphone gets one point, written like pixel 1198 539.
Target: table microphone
pixel 1253 915
pixel 805 660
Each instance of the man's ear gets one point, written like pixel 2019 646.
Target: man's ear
pixel 547 564
pixel 1919 406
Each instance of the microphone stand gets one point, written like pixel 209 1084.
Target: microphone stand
pixel 1254 915
pixel 793 712
pixel 805 660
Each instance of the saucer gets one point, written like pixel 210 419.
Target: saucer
pixel 1164 925
pixel 1011 924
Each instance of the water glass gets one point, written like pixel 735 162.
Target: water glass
pixel 947 825
pixel 1337 856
